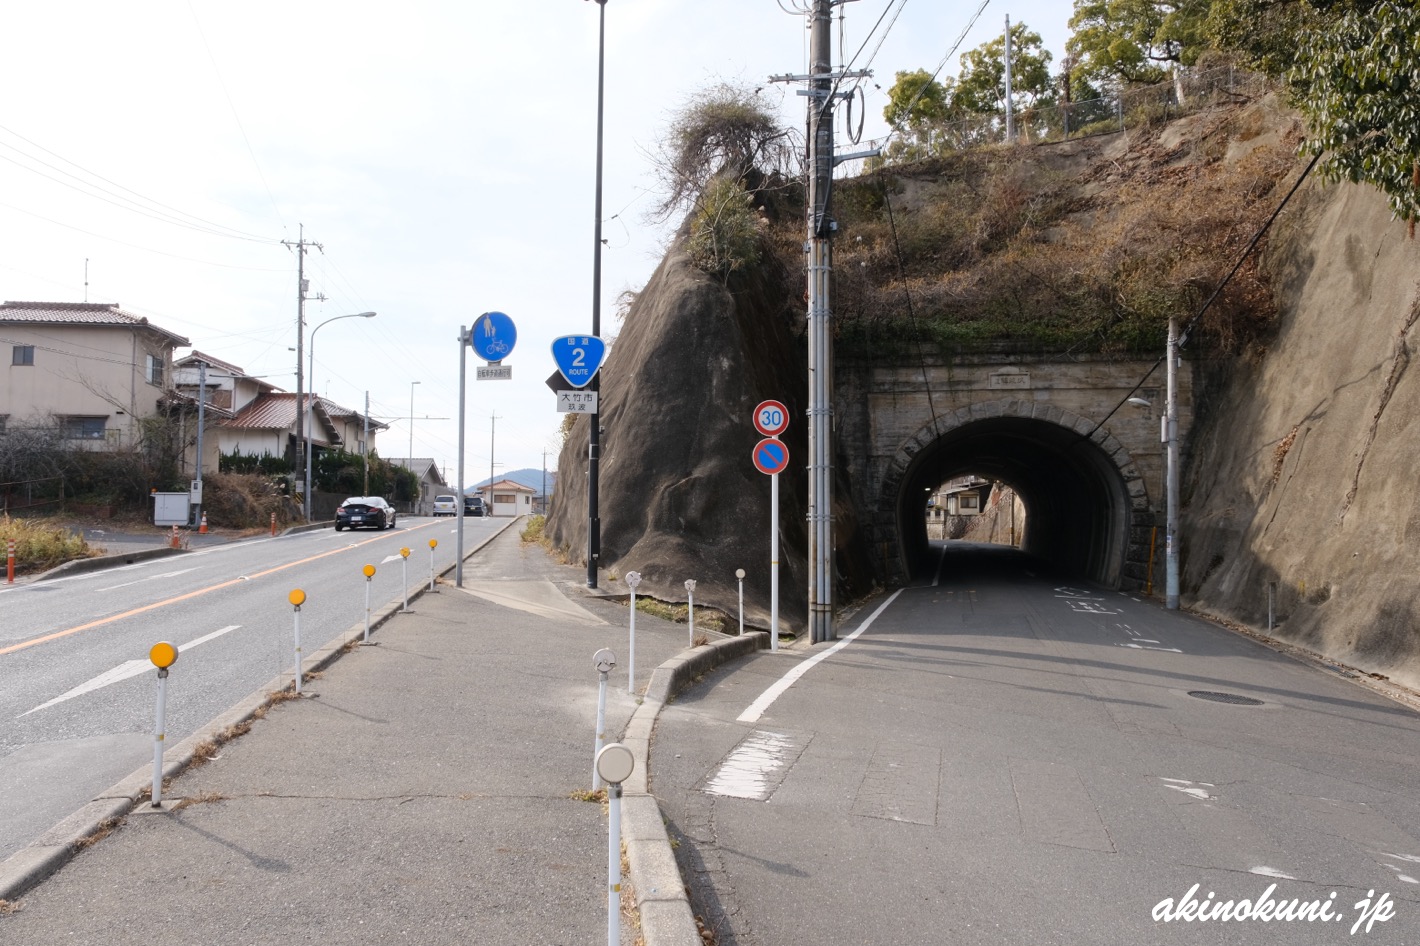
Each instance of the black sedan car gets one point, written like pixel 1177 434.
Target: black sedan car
pixel 370 512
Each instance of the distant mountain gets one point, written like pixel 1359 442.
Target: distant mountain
pixel 530 477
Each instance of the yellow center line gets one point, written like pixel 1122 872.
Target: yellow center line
pixel 184 597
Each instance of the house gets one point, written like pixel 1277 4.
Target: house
pixel 507 498
pixel 431 483
pixel 250 416
pixel 92 370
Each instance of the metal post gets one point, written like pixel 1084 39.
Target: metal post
pixel 613 866
pixel 433 544
pixel 594 526
pixel 604 660
pixel 9 561
pixel 774 562
pixel 365 447
pixel 201 423
pixel 297 597
pixel 690 591
pixel 158 736
pixel 404 577
pixel 820 227
pixel 300 350
pixel 740 579
pixel 1171 525
pixel 464 338
pixel 632 580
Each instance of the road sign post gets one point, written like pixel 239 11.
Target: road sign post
pixel 605 662
pixel 578 358
pixel 369 571
pixel 404 577
pixel 771 456
pixel 297 597
pixel 163 655
pixel 632 580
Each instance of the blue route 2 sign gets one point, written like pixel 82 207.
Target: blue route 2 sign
pixel 578 357
pixel 771 456
pixel 493 336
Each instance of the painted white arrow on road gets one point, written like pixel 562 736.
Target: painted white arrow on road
pixel 124 671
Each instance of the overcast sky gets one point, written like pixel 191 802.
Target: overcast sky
pixel 442 153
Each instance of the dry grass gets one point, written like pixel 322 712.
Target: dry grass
pixel 533 531
pixel 41 544
pixel 587 795
pixel 1091 254
pixel 202 798
pixel 105 828
pixel 8 907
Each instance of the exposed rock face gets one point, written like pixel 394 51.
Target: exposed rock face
pixel 1303 468
pixel 678 494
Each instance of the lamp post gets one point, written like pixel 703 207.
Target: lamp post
pixel 594 524
pixel 418 502
pixel 306 405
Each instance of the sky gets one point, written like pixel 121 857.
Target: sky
pixel 159 154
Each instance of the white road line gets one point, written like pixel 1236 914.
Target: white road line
pixel 767 698
pixel 1167 650
pixel 181 571
pixel 123 671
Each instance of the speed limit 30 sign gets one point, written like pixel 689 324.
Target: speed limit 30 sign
pixel 771 418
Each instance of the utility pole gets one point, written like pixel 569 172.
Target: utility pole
pixel 544 482
pixel 366 450
pixel 594 432
pixel 302 285
pixel 1171 473
pixel 201 423
pixel 822 92
pixel 492 439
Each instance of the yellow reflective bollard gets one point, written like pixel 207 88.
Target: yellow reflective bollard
pixel 404 576
pixel 369 571
pixel 433 544
pixel 297 597
pixel 163 655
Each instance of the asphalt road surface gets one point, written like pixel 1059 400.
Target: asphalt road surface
pixel 1000 757
pixel 78 693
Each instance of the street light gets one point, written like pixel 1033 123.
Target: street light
pixel 305 407
pixel 419 500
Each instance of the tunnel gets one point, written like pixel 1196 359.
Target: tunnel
pixel 1078 507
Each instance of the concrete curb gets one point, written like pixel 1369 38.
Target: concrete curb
pixel 80 565
pixel 30 865
pixel 666 916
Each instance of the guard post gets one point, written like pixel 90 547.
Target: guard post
pixel 297 597
pixel 632 580
pixel 605 660
pixel 369 571
pixel 163 655
pixel 690 593
pixel 615 763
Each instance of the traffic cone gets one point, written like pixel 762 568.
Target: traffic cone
pixel 175 536
pixel 202 527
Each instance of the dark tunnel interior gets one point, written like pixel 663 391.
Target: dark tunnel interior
pixel 1076 505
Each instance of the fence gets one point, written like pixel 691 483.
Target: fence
pixel 27 495
pixel 1189 91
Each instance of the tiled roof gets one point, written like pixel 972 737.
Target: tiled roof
pixel 506 485
pixel 218 363
pixel 277 411
pixel 421 466
pixel 81 313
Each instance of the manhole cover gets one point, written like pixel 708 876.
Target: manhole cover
pixel 1217 697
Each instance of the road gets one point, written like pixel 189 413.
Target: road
pixel 1003 758
pixel 77 691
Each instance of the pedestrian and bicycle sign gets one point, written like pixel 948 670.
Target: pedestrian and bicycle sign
pixel 578 357
pixel 493 336
pixel 771 418
pixel 771 456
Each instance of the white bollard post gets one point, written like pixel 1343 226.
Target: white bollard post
pixel 297 597
pixel 632 580
pixel 404 577
pixel 163 655
pixel 369 575
pixel 740 577
pixel 433 544
pixel 615 763
pixel 605 660
pixel 690 591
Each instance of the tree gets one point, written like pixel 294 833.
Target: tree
pixel 1358 82
pixel 982 85
pixel 917 101
pixel 724 130
pixel 1131 41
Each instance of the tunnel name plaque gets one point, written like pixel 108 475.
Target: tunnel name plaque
pixel 1009 380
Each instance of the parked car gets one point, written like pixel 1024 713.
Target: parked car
pixel 365 512
pixel 446 506
pixel 473 506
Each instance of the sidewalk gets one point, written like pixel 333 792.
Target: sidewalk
pixel 421 791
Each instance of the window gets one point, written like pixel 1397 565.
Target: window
pixel 23 355
pixel 83 428
pixel 153 370
pixel 505 497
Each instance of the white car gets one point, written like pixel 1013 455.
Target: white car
pixel 446 506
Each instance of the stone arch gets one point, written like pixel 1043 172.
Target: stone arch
pixel 1095 505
